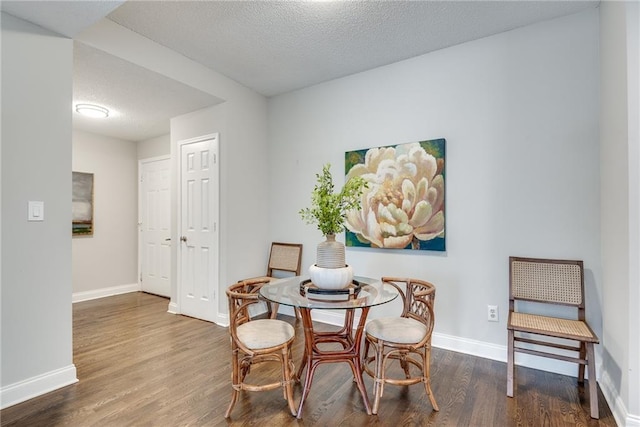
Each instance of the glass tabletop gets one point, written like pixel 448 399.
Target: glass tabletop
pixel 288 291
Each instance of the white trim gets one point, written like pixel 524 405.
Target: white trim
pixel 499 352
pixel 618 408
pixel 222 320
pixel 36 386
pixel 632 421
pixel 464 345
pixel 154 159
pixel 173 308
pixel 104 292
pixel 468 346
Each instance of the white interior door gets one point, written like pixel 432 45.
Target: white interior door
pixel 198 274
pixel 154 247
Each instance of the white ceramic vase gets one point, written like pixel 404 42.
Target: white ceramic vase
pixel 331 278
pixel 330 270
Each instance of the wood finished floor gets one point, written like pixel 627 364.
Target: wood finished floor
pixel 140 366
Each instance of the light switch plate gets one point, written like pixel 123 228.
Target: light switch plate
pixel 36 211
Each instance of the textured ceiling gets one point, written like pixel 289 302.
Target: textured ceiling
pixel 140 101
pixel 63 17
pixel 276 47
pixel 270 46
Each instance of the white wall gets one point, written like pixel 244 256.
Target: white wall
pixel 620 163
pixel 106 263
pixel 633 114
pixel 241 124
pixel 36 348
pixel 519 111
pixel 241 121
pixel 154 147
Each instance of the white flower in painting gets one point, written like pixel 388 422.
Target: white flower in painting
pixel 405 198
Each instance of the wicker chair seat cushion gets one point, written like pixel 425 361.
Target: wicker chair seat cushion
pixel 552 326
pixel 265 333
pixel 399 330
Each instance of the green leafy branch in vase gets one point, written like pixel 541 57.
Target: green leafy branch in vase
pixel 328 209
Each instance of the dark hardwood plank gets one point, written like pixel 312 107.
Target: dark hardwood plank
pixel 141 366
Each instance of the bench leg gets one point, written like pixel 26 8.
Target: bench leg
pixel 593 384
pixel 583 355
pixel 510 363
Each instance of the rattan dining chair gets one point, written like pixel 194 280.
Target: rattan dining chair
pixel 406 338
pixel 255 341
pixel 284 258
pixel 551 283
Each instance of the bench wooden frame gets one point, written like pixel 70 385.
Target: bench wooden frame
pixel 555 282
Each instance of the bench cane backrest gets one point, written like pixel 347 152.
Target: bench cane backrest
pixel 543 280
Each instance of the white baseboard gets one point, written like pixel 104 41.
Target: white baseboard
pixel 499 352
pixel 468 346
pixel 173 308
pixel 222 320
pixel 36 386
pixel 618 408
pixel 104 292
pixel 631 421
pixel 465 345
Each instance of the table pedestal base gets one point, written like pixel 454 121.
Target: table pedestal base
pixel 350 353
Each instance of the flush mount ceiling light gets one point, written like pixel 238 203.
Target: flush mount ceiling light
pixel 91 110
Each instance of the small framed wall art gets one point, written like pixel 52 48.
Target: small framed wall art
pixel 82 208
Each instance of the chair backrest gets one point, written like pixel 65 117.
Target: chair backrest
pixel 241 295
pixel 547 281
pixel 418 300
pixel 284 257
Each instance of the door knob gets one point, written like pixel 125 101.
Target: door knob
pixel 183 239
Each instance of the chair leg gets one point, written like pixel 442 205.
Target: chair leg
pixel 272 309
pixel 593 384
pixel 365 352
pixel 292 367
pixel 378 380
pixel 426 372
pixel 405 365
pixel 366 360
pixel 235 374
pixel 583 354
pixel 510 363
pixel 287 377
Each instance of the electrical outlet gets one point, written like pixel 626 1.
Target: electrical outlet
pixel 492 313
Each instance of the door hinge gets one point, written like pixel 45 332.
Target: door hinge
pixel 140 277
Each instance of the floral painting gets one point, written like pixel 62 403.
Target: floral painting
pixel 403 206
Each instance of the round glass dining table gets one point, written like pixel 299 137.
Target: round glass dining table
pixel 299 293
